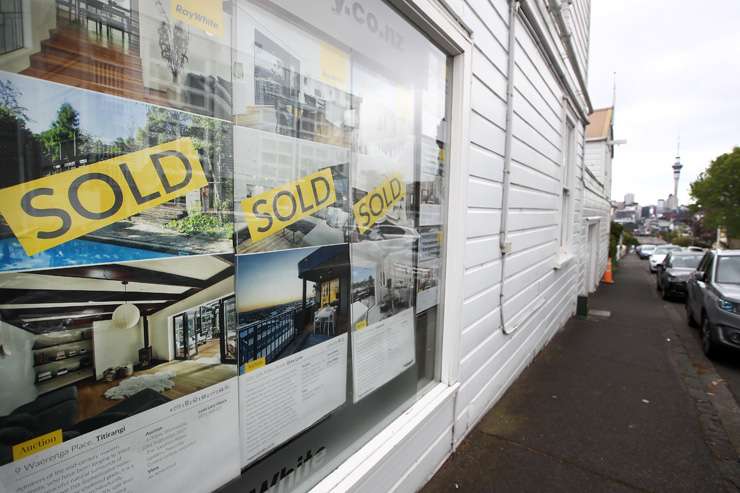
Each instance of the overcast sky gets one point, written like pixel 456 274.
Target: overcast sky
pixel 678 72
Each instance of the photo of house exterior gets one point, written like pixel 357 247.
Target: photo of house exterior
pixel 477 109
pixel 51 130
pixel 304 301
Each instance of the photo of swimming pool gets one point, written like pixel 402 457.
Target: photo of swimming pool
pixel 75 252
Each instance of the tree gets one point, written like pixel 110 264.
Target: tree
pixel 21 150
pixel 717 193
pixel 9 95
pixel 64 137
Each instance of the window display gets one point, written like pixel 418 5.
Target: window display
pixel 339 144
pixel 221 240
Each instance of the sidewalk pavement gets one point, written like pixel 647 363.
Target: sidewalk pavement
pixel 611 404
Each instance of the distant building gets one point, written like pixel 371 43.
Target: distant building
pixel 629 198
pixel 672 203
pixel 598 152
pixel 660 207
pixel 629 214
pixel 676 175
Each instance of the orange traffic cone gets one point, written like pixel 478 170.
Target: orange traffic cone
pixel 608 279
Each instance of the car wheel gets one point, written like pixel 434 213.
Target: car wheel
pixel 707 341
pixel 689 316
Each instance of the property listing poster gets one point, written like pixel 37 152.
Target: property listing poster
pixel 85 188
pixel 172 53
pixel 382 313
pixel 293 309
pixel 183 445
pixel 293 136
pixel 118 359
pixel 119 376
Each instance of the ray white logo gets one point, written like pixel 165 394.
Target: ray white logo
pixel 287 478
pixel 357 12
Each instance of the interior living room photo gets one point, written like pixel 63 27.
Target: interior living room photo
pixel 84 347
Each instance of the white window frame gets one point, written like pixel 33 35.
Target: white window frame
pixel 449 33
pixel 566 208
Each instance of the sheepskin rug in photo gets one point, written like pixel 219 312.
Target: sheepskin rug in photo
pixel 158 381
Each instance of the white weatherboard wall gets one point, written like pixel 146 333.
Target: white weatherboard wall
pixel 539 283
pixel 537 297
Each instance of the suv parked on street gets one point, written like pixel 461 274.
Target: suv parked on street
pixel 674 272
pixel 713 300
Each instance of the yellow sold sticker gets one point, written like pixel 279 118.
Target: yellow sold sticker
pixel 250 366
pixel 52 210
pixel 207 15
pixel 270 212
pixel 373 206
pixel 35 445
pixel 361 324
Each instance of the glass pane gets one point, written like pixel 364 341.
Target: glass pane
pixel 340 138
pixel 192 334
pixel 179 328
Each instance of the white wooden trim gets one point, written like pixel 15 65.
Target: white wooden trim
pixel 364 461
pixel 456 209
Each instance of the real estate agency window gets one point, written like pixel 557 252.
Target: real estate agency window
pixel 350 96
pixel 567 184
pixel 290 154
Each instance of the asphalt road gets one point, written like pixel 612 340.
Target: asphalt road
pixel 727 364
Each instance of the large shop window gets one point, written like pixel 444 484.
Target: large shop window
pixel 221 239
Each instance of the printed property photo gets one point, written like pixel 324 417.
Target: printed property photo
pixel 110 188
pixel 148 51
pixel 289 192
pixel 84 347
pixel 382 280
pixel 291 300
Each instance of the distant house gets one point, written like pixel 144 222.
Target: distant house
pixel 597 182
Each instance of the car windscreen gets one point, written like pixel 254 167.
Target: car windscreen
pixel 662 250
pixel 728 270
pixel 686 261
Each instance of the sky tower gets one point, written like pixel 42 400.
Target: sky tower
pixel 677 173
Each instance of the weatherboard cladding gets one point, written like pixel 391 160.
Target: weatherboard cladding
pixel 538 296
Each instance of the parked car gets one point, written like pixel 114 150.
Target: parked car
pixel 713 300
pixel 674 272
pixel 659 254
pixel 645 251
pixel 695 249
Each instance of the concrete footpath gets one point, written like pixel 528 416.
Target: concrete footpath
pixel 617 403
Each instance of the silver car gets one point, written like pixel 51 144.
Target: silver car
pixel 713 300
pixel 659 254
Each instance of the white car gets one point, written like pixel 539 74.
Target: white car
pixel 659 254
